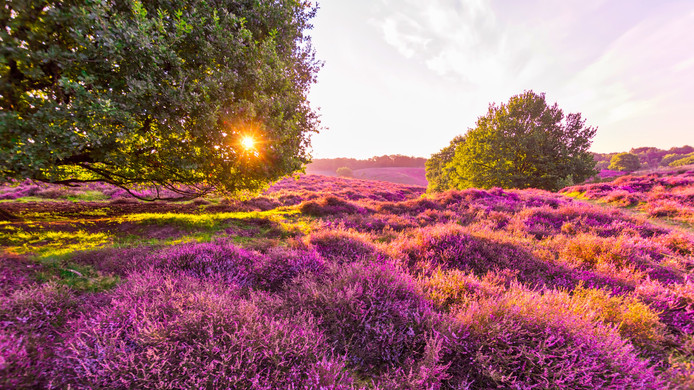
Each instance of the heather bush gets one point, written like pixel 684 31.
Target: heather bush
pixel 329 205
pixel 452 246
pixel 429 372
pixel 280 265
pixel 674 303
pixel 31 320
pixel 372 313
pixel 410 207
pixel 678 243
pixel 217 260
pixel 179 332
pixel 531 340
pixel 614 255
pixel 624 198
pixel 634 320
pixel 342 246
pixel 449 289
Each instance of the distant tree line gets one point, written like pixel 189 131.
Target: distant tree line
pixel 387 161
pixel 650 157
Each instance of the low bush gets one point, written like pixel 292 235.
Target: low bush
pixel 531 340
pixel 373 314
pixel 165 331
pixel 342 246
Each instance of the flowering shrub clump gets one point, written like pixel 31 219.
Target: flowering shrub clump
pixel 178 332
pixel 209 261
pixel 31 320
pixel 373 314
pixel 454 247
pixel 342 246
pixel 527 339
pixel 329 205
pixel 280 266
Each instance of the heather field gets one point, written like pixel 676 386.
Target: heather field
pixel 666 195
pixel 335 283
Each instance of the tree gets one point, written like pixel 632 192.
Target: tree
pixel 524 143
pixel 439 171
pixel 344 172
pixel 687 159
pixel 188 95
pixel 625 162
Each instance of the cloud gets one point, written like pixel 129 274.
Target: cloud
pixel 451 37
pixel 645 71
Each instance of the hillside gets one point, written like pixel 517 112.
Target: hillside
pixel 400 175
pixel 335 283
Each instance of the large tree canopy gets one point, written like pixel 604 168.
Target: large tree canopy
pixel 440 172
pixel 159 92
pixel 524 143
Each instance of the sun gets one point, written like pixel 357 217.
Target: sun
pixel 248 142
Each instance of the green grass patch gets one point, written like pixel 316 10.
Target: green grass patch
pixel 76 276
pixel 216 220
pixel 49 243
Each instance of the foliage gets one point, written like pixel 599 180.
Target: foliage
pixel 156 92
pixel 344 172
pixel 625 162
pixel 192 335
pixel 440 171
pixel 524 143
pixel 372 313
pixel 686 160
pixel 649 157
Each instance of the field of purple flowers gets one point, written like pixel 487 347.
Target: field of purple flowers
pixel 345 284
pixel 658 195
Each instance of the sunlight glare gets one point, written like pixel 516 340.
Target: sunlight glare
pixel 248 142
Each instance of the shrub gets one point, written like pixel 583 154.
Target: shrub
pixel 178 332
pixel 344 172
pixel 634 320
pixel 329 205
pixel 373 314
pixel 280 265
pixel 454 247
pixel 31 320
pixel 528 340
pixel 341 246
pixel 218 260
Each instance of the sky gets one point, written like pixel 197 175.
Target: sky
pixel 406 76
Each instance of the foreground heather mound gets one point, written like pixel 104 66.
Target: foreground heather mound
pixel 347 284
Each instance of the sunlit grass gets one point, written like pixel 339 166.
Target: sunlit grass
pixel 50 243
pixel 203 220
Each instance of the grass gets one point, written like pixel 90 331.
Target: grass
pixel 204 220
pixel 46 243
